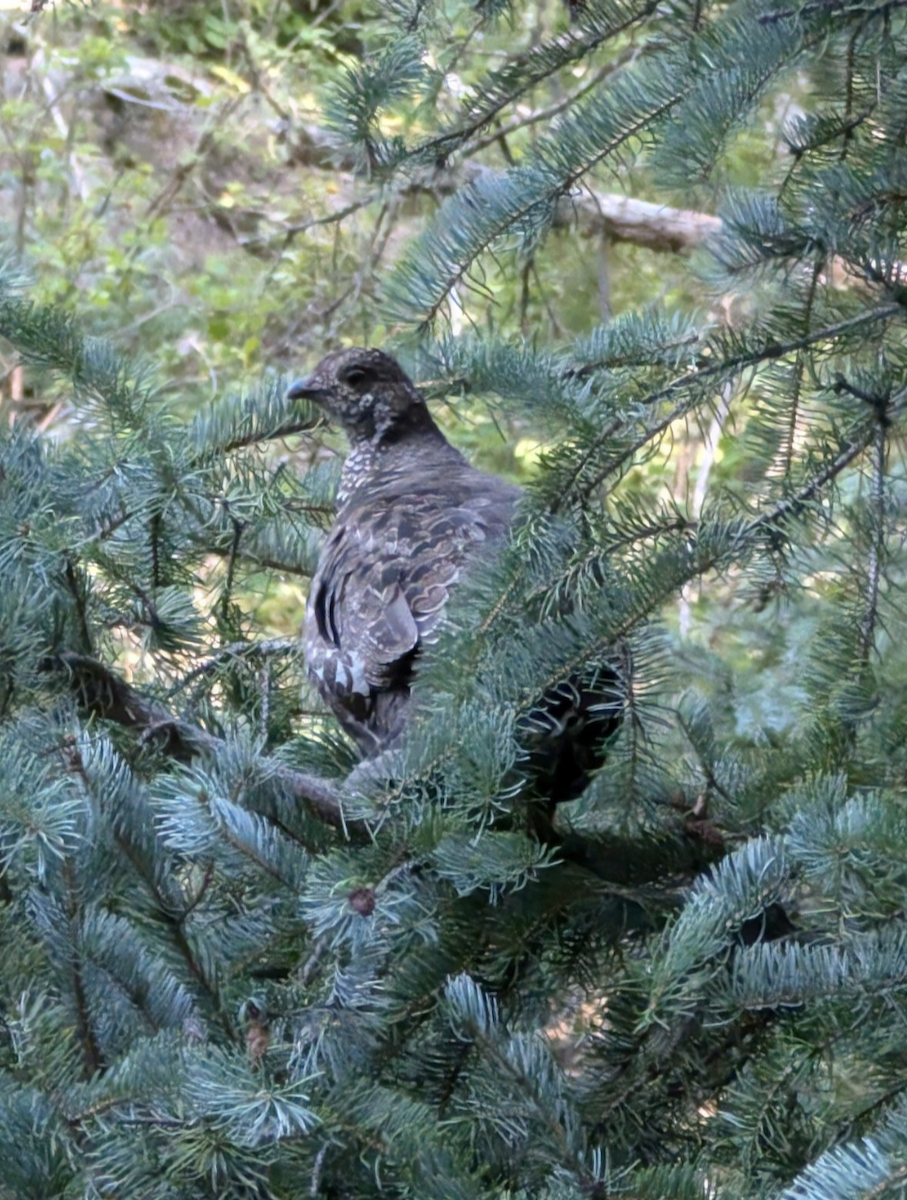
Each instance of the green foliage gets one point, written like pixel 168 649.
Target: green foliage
pixel 238 962
pixel 353 111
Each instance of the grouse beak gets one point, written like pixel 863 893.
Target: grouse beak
pixel 306 389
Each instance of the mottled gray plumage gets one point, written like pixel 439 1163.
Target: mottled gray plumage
pixel 412 515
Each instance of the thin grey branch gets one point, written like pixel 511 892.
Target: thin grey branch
pixel 101 692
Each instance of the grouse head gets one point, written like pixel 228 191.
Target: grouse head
pixel 366 392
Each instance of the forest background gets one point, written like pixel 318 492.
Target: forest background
pixel 645 259
pixel 172 169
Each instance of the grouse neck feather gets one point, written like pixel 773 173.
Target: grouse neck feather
pixel 397 453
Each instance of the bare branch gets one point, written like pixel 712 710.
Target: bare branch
pixel 625 219
pixel 592 214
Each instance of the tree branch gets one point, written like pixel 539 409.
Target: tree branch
pixel 768 352
pixel 592 214
pixel 102 693
pixel 877 544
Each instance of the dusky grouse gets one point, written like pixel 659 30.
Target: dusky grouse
pixel 412 513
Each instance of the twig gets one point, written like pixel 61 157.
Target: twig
pixel 92 1059
pixel 78 596
pixel 315 1185
pixel 313 962
pixel 235 651
pixel 172 188
pixel 545 114
pixel 238 527
pixel 53 103
pixel 618 217
pixel 867 625
pixel 844 7
pixel 289 231
pixel 702 483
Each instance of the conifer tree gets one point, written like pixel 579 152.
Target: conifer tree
pixel 233 964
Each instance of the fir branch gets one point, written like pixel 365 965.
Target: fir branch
pixel 100 692
pixel 723 369
pixel 175 924
pixel 601 20
pixel 355 104
pixel 792 505
pixel 52 339
pixel 237 422
pixel 473 220
pixel 91 1052
pixel 799 369
pixel 475 1019
pixel 705 760
pixel 681 567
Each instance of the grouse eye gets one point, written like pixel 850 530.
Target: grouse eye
pixel 358 377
